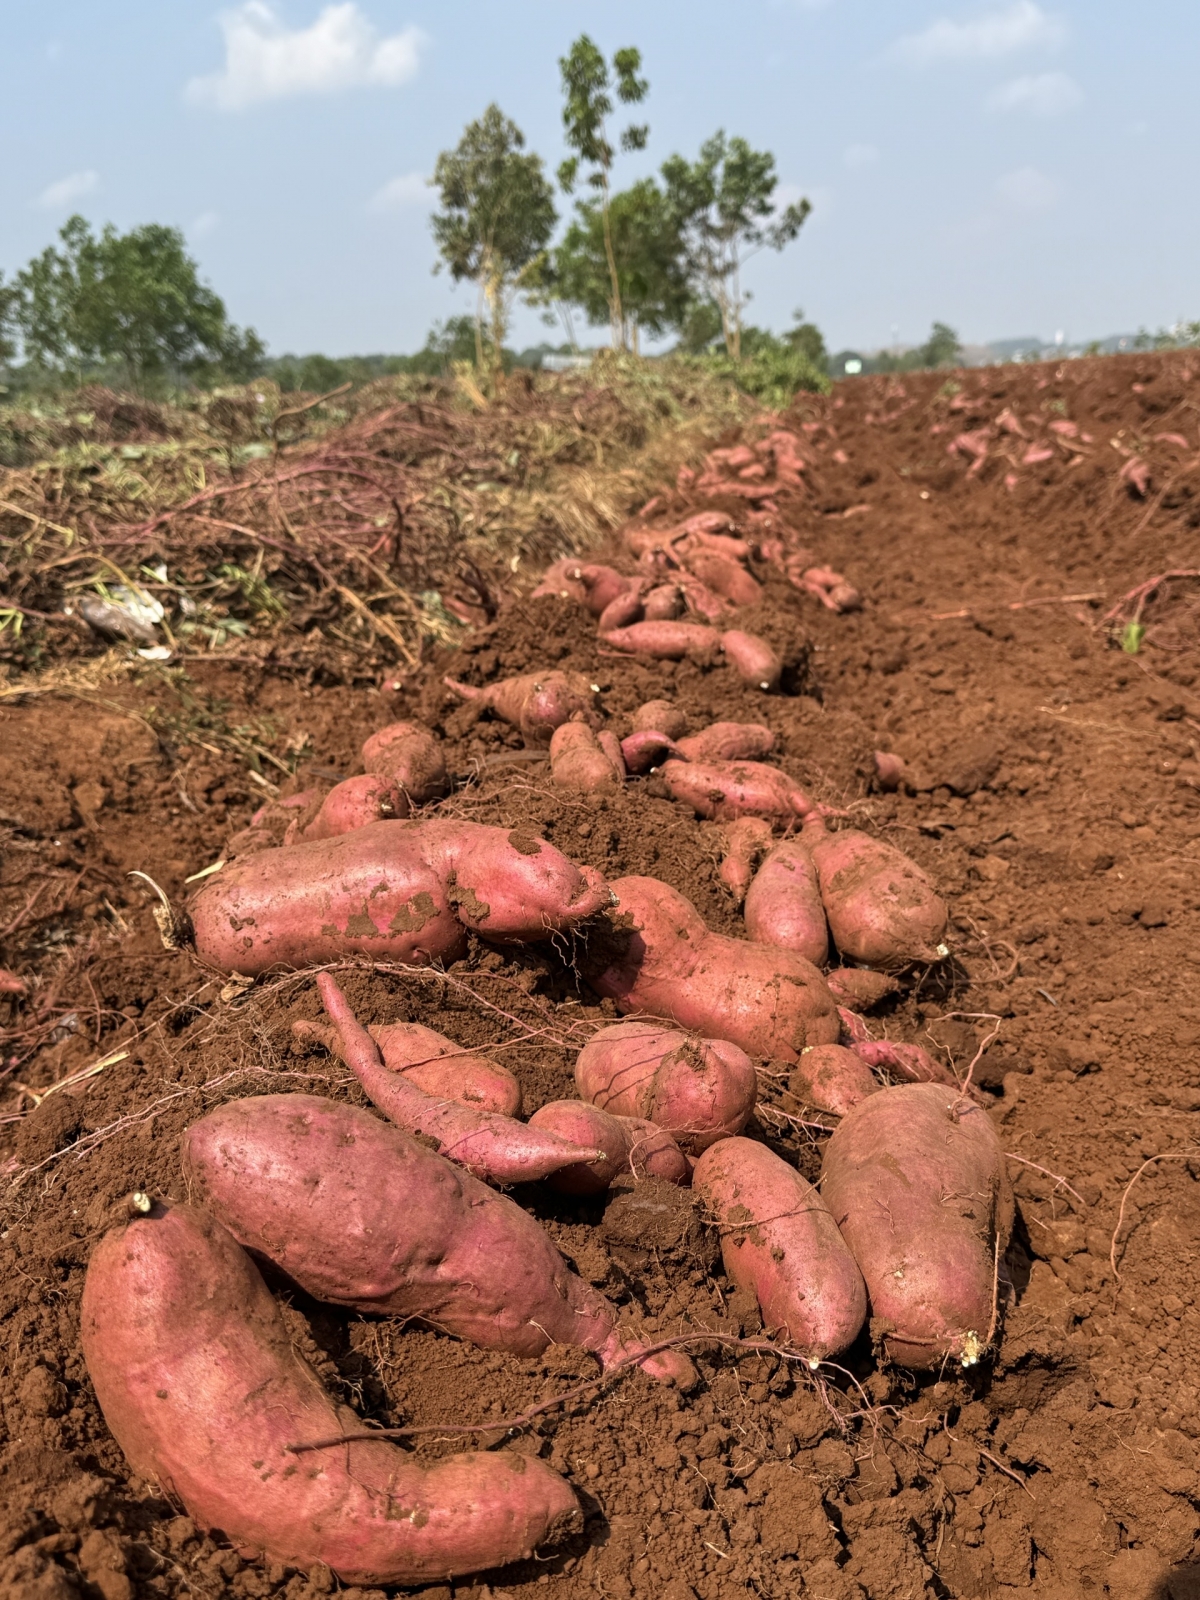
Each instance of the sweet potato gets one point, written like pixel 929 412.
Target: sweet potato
pixel 832 1078
pixel 643 751
pixel 699 1090
pixel 834 591
pixel 882 909
pixel 434 1063
pixel 705 602
pixel 398 891
pixel 858 988
pixel 536 702
pixel 783 904
pixel 602 584
pixel 854 1029
pixel 411 757
pixel 392 1228
pixel 659 957
pixel 746 841
pixel 752 658
pixel 630 1144
pixel 660 716
pixel 622 609
pixel 351 804
pixel 665 641
pixel 725 790
pixel 779 1240
pixel 911 1063
pixel 728 741
pixel 663 604
pixel 724 576
pixel 928 1161
pixel 579 761
pixel 491 1146
pixel 198 1378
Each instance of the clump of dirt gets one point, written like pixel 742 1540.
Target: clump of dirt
pixel 1062 821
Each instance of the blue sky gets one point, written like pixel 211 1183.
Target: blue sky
pixel 1008 166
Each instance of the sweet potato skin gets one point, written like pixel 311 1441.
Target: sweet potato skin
pixel 434 1063
pixel 351 804
pixel 197 1377
pixel 630 1144
pixel 411 757
pixel 642 751
pixel 745 843
pixel 400 891
pixel 779 1240
pixel 883 911
pixel 929 1160
pixel 831 1078
pixel 664 961
pixel 783 904
pixel 726 790
pixel 752 658
pixel 859 988
pixel 724 576
pixel 579 761
pixel 666 641
pixel 728 741
pixel 660 716
pixel 699 1090
pixel 535 702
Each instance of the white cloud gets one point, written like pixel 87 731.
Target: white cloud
pixel 57 196
pixel 201 226
pixel 410 189
pixel 266 60
pixel 992 34
pixel 860 155
pixel 1027 189
pixel 1042 94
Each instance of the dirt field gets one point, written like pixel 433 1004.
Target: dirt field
pixel 1065 1468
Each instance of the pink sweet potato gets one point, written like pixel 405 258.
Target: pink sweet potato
pixel 536 702
pixel 858 988
pixel 603 584
pixel 491 1146
pixel 579 761
pixel 434 1063
pixel 783 904
pixel 883 911
pixel 910 1063
pixel 622 609
pixel 725 790
pixel 832 1078
pixel 198 1378
pixel 724 576
pixel 562 579
pixel 746 841
pixel 664 603
pixel 630 1144
pixel 660 716
pixel 397 891
pixel 752 658
pixel 351 804
pixel 394 1229
pixel 665 641
pixel 705 602
pixel 659 958
pixel 643 751
pixel 411 757
pixel 699 1090
pixel 928 1160
pixel 728 741
pixel 779 1240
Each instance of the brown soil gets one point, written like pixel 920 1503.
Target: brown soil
pixel 1067 1468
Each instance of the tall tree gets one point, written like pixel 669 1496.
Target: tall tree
pixel 725 206
pixel 588 86
pixel 135 298
pixel 642 238
pixel 496 219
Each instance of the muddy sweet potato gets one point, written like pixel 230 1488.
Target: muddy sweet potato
pixel 664 641
pixel 858 988
pixel 397 891
pixel 910 1063
pixel 724 576
pixel 728 741
pixel 198 1378
pixel 658 957
pixel 602 585
pixel 434 1063
pixel 395 1229
pixel 779 1240
pixel 752 658
pixel 744 843
pixel 630 1145
pixel 623 608
pixel 783 904
pixel 642 752
pixel 579 761
pixel 411 757
pixel 563 580
pixel 725 790
pixel 351 804
pixel 928 1160
pixel 699 1090
pixel 883 911
pixel 660 716
pixel 702 600
pixel 664 603
pixel 831 1078
pixel 536 702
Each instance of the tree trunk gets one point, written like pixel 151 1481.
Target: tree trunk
pixel 497 321
pixel 479 319
pixel 616 317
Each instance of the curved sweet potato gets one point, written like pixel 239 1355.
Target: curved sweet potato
pixel 398 891
pixel 705 602
pixel 623 608
pixel 434 1063
pixel 630 1144
pixel 351 804
pixel 752 658
pixel 858 988
pixel 725 790
pixel 197 1377
pixel 883 911
pixel 699 1090
pixel 832 1078
pixel 536 702
pixel 660 958
pixel 603 584
pixel 724 576
pixel 643 751
pixel 665 641
pixel 396 1229
pixel 564 580
pixel 728 741
pixel 779 1240
pixel 489 1145
pixel 660 716
pixel 783 904
pixel 579 761
pixel 411 757
pixel 909 1062
pixel 664 603
pixel 928 1160
pixel 746 841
